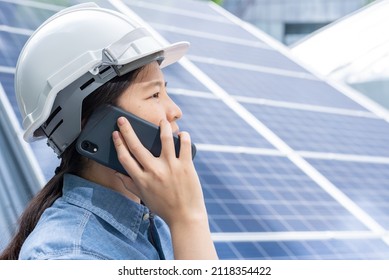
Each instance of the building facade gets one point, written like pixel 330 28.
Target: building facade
pixel 290 20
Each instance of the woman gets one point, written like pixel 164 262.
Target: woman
pixel 87 210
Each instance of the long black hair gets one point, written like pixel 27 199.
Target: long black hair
pixel 71 162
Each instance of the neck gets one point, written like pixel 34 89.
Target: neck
pixel 110 179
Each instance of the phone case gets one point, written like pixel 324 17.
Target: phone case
pixel 95 141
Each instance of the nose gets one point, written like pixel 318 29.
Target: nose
pixel 173 112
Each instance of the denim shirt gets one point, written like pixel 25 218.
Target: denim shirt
pixel 90 221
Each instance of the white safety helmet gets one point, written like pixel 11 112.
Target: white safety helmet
pixel 72 54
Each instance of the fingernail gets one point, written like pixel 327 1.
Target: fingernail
pixel 121 120
pixel 115 135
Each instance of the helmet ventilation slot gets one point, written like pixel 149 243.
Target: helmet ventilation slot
pixel 84 86
pixel 55 128
pixel 51 117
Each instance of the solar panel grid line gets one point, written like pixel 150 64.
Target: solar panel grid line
pixel 8 209
pixel 16 30
pixel 192 93
pixel 304 154
pixel 212 36
pixel 310 205
pixel 368 186
pixel 255 199
pixel 276 103
pixel 289 225
pixel 344 157
pixel 322 132
pixel 238 149
pixel 256 32
pixel 305 107
pixel 36 4
pixel 155 13
pixel 235 251
pixel 279 88
pixel 344 89
pixel 6 193
pixel 11 50
pixel 224 206
pixel 7 69
pixel 295 236
pixel 251 67
pixel 177 11
pixel 229 49
pixel 267 255
pixel 27 151
pixel 361 99
pixel 251 212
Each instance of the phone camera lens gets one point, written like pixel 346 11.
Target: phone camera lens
pixel 85 145
pixel 89 147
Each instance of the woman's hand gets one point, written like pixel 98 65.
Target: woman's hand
pixel 169 186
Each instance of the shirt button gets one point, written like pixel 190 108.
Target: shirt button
pixel 146 216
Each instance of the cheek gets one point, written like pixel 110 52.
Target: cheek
pixel 151 113
pixel 149 110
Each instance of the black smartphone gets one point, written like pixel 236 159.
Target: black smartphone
pixel 95 140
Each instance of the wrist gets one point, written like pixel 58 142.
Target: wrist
pixel 193 219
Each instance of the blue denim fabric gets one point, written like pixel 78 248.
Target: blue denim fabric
pixel 93 222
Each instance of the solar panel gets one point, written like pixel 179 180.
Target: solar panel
pixel 214 124
pixel 28 16
pixel 260 84
pixel 292 167
pixel 212 21
pixel 352 249
pixel 365 183
pixel 243 52
pixel 253 193
pixel 10 52
pixel 332 133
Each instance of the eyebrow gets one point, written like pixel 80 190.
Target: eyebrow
pixel 155 83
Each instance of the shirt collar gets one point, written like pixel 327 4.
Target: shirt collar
pixel 122 213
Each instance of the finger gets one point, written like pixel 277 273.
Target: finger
pixel 124 156
pixel 132 156
pixel 141 154
pixel 185 146
pixel 168 150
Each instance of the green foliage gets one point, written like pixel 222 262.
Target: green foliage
pixel 219 2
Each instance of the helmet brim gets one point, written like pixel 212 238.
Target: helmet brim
pixel 174 52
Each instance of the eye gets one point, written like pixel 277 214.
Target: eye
pixel 155 95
